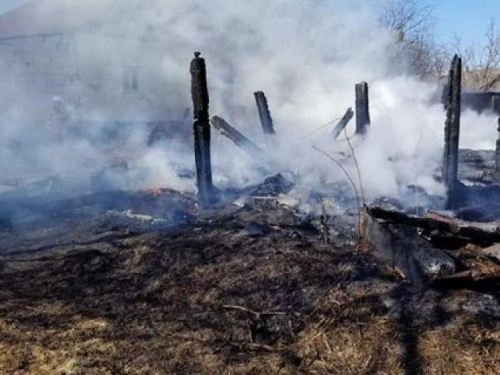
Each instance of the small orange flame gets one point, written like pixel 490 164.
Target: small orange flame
pixel 154 191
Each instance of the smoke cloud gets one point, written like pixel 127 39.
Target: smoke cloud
pixel 305 55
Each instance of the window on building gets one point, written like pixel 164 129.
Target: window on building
pixel 131 78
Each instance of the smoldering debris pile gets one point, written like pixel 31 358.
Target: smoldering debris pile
pixel 255 270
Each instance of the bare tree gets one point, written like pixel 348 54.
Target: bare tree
pixel 482 62
pixel 412 22
pixel 426 57
pixel 409 18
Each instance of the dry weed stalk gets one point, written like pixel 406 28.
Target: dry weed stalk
pixel 324 222
pixel 353 186
pixel 358 170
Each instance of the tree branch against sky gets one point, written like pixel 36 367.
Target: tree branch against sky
pixel 482 59
pixel 414 24
pixel 414 18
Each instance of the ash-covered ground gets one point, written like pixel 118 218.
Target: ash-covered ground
pixel 144 283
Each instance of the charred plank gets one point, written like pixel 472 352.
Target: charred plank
pixel 237 137
pixel 343 123
pixel 478 233
pixel 264 113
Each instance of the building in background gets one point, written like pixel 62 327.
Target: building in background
pixel 79 61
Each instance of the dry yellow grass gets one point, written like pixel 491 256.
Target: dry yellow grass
pixel 154 305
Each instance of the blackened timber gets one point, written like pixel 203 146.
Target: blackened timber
pixel 264 113
pixel 236 137
pixel 447 100
pixel 362 108
pixel 452 134
pixel 404 248
pixel 497 156
pixel 343 123
pixel 199 92
pixel 478 233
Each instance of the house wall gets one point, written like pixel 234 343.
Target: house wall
pixel 482 101
pixel 477 101
pixel 88 77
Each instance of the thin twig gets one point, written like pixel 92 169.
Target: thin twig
pixel 324 222
pixel 257 314
pixel 262 347
pixel 321 127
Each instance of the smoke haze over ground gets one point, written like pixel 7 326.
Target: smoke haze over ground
pixel 305 55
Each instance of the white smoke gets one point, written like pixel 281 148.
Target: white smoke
pixel 306 55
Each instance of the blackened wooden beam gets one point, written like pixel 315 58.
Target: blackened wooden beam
pixel 477 233
pixel 452 134
pixel 237 137
pixel 199 92
pixel 447 99
pixel 264 113
pixel 362 108
pixel 401 246
pixel 497 156
pixel 495 104
pixel 343 123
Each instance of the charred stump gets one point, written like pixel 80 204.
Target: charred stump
pixel 264 113
pixel 199 92
pixel 452 134
pixel 362 108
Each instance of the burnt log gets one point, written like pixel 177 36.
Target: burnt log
pixel 264 113
pixel 344 121
pixel 200 97
pixel 452 134
pixel 478 233
pixel 402 247
pixel 362 108
pixel 471 280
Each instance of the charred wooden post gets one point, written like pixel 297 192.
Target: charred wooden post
pixel 199 92
pixel 497 156
pixel 452 133
pixel 362 108
pixel 264 113
pixel 495 104
pixel 237 137
pixel 343 123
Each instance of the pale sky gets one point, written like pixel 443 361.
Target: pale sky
pixel 6 5
pixel 466 18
